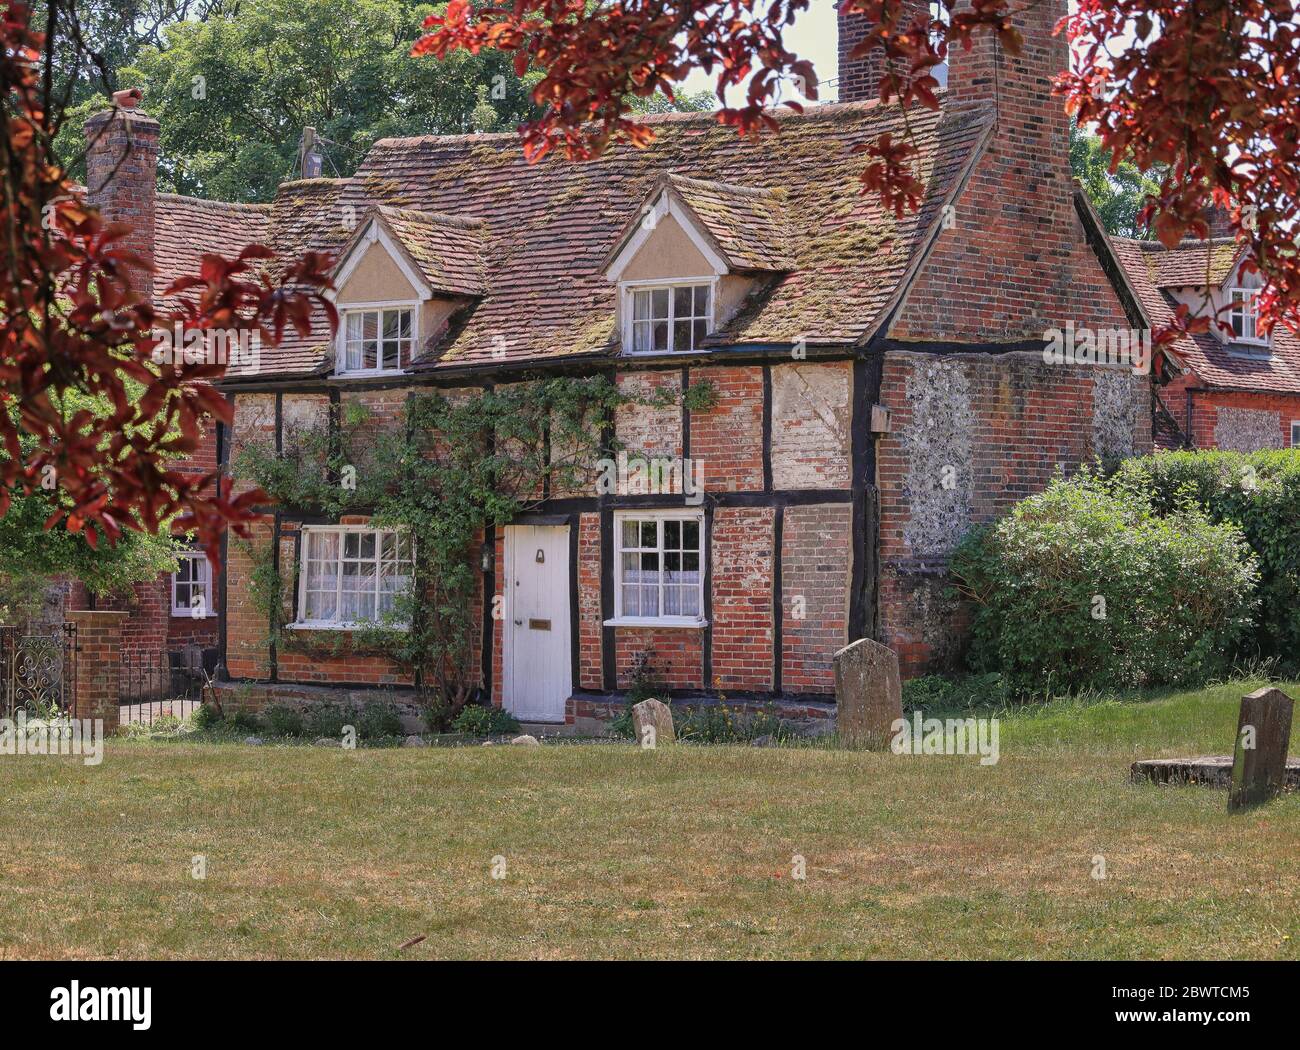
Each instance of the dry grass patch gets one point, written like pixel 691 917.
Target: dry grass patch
pixel 684 853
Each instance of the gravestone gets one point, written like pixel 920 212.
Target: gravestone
pixel 868 692
pixel 1259 761
pixel 655 716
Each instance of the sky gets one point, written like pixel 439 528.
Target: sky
pixel 812 37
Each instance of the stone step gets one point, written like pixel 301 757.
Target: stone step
pixel 1208 770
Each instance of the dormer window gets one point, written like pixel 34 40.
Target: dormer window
pixel 377 340
pixel 670 318
pixel 1243 317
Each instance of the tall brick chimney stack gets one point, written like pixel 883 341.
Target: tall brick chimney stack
pixel 859 78
pixel 1031 121
pixel 122 177
pixel 1016 244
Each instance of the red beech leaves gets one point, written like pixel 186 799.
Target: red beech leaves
pixel 73 332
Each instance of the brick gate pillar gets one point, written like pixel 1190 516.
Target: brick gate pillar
pixel 99 645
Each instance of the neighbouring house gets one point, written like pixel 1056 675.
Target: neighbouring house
pixel 882 381
pixel 1234 387
pixel 178 612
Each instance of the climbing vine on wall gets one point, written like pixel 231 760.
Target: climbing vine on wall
pixel 453 466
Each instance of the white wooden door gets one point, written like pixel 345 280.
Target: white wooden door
pixel 538 663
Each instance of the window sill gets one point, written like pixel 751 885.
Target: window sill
pixel 356 626
pixel 371 373
pixel 657 621
pixel 185 614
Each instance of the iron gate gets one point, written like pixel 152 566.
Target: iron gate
pixel 38 670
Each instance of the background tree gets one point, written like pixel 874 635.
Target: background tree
pixel 1120 195
pixel 234 90
pixel 73 326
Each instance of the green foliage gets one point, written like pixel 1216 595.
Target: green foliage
pixel 283 720
pixel 933 693
pixel 242 721
pixel 372 721
pixel 1118 196
pixel 233 93
pixel 31 554
pixel 206 716
pixel 481 720
pixel 1258 491
pixel 643 684
pixel 1085 586
pixel 724 724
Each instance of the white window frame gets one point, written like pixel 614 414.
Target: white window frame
pixel 204 580
pixel 620 620
pixel 341 337
pixel 301 623
pixel 1245 307
pixel 627 291
pixel 1295 433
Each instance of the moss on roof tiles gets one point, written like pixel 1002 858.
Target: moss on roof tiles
pixel 547 227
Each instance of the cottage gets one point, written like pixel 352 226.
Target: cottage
pixel 881 381
pixel 1234 387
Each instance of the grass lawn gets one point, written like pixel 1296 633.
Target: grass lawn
pixel 682 853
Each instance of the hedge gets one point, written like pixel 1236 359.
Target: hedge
pixel 1087 585
pixel 1258 491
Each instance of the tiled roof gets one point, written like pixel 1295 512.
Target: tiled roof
pixel 1191 264
pixel 547 228
pixel 186 229
pixel 447 250
pixel 1205 354
pixel 746 227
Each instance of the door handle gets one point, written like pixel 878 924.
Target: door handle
pixel 519 623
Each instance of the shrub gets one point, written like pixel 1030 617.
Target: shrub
pixel 723 724
pixel 371 721
pixel 378 720
pixel 205 716
pixel 284 720
pixel 1084 585
pixel 243 721
pixel 478 720
pixel 1258 491
pixel 935 693
pixel 328 719
pixel 643 684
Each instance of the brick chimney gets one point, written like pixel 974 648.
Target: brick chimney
pixel 859 78
pixel 122 178
pixel 1014 262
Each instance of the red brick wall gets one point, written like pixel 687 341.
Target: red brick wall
pixel 247 654
pixel 1207 416
pixel 590 616
pixel 741 557
pixel 971 435
pixel 121 181
pixel 859 78
pixel 98 644
pixel 677 655
pixel 816 562
pixel 728 438
pixel 498 625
